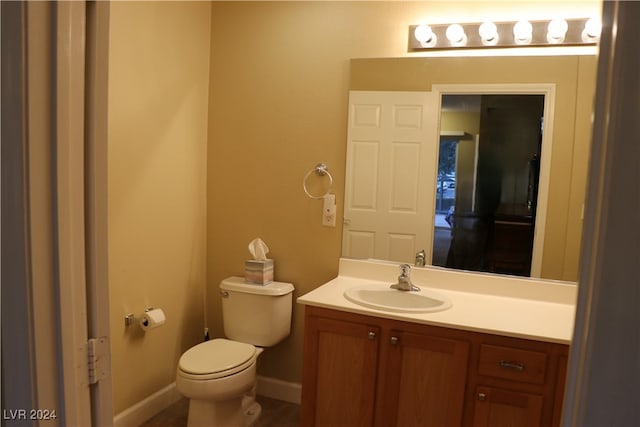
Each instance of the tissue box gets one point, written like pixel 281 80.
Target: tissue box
pixel 258 272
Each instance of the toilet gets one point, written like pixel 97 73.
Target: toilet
pixel 218 376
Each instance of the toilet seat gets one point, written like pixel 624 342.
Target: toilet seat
pixel 216 359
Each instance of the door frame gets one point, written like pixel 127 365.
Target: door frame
pixel 607 308
pixel 96 181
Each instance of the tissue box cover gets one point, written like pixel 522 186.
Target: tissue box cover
pixel 258 272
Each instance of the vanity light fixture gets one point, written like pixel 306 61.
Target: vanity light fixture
pixel 456 35
pixel 488 33
pixel 425 36
pixel 555 32
pixel 522 32
pixel 592 30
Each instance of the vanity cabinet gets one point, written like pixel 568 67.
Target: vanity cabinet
pixel 367 371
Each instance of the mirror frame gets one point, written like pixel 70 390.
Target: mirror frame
pixel 549 92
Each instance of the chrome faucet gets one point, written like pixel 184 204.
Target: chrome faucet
pixel 404 280
pixel 421 259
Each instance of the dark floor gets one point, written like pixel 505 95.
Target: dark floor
pixel 275 413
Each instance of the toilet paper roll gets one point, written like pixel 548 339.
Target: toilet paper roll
pixel 152 319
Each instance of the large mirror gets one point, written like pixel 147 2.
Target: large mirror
pixel 422 192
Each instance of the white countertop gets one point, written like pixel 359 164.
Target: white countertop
pixel 527 308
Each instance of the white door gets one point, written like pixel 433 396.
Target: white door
pixel 391 158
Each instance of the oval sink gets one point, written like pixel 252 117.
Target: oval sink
pixel 387 299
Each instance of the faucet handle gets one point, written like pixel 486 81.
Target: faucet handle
pixel 405 270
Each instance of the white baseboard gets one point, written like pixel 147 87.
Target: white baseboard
pixel 278 389
pixel 148 407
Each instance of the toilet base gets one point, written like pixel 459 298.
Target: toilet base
pixel 250 407
pixel 252 413
pixel 243 411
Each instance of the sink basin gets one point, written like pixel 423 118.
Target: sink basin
pixel 384 298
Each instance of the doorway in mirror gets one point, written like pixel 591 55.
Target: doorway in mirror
pixel 488 173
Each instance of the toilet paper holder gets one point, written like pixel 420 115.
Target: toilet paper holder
pixel 130 318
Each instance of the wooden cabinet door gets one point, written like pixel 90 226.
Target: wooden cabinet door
pixel 340 380
pixel 424 381
pixel 503 408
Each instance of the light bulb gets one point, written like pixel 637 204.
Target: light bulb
pixel 592 29
pixel 424 34
pixel 522 32
pixel 488 33
pixel 556 30
pixel 455 34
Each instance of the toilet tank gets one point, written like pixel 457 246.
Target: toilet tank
pixel 256 314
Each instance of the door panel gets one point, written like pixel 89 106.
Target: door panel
pixel 425 380
pixel 344 359
pixel 391 147
pixel 495 407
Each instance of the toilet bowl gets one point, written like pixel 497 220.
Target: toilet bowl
pixel 219 376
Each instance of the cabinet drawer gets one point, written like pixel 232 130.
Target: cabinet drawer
pixel 512 364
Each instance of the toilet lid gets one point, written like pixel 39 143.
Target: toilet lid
pixel 218 356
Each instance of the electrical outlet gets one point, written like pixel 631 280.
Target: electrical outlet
pixel 329 219
pixel 329 211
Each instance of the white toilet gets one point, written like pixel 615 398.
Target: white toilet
pixel 219 376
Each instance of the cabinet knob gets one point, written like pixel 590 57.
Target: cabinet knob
pixel 371 335
pixel 395 340
pixel 482 397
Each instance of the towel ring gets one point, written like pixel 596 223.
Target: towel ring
pixel 320 170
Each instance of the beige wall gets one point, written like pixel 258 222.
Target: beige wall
pixel 280 80
pixel 158 91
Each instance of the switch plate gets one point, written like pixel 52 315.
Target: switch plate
pixel 329 211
